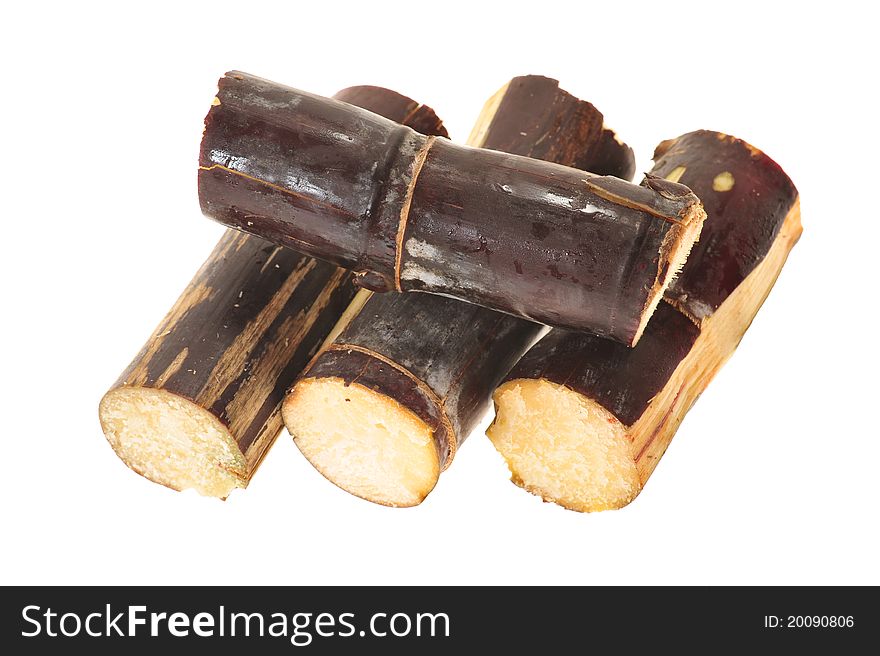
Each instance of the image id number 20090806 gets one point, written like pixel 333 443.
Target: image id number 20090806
pixel 809 621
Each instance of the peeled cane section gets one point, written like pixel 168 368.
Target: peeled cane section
pixel 563 447
pixel 364 442
pixel 172 441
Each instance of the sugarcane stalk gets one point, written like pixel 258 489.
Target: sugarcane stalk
pixel 199 406
pixel 582 421
pixel 385 405
pixel 409 212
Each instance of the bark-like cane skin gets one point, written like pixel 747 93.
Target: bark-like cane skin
pixel 449 356
pixel 253 316
pixel 747 198
pixel 622 380
pixel 407 212
pixel 395 107
pixel 745 219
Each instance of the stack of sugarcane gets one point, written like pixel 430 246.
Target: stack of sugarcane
pixel 379 285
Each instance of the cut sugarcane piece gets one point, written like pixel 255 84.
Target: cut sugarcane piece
pixel 623 406
pixel 407 212
pixel 200 404
pixel 386 404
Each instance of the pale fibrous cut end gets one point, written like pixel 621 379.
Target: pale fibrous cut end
pixel 674 252
pixel 172 441
pixel 363 441
pixel 563 447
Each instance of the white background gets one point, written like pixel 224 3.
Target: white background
pixel 772 477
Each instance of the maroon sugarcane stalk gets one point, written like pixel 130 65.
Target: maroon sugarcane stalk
pixel 582 421
pixel 418 370
pixel 408 212
pixel 199 406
